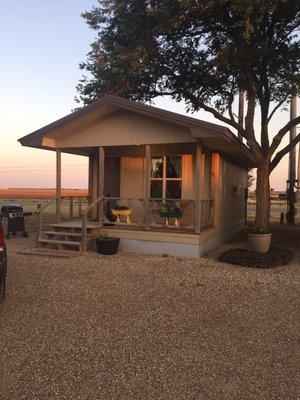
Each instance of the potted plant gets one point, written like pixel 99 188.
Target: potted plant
pixel 259 239
pixel 169 210
pixel 107 245
pixel 117 211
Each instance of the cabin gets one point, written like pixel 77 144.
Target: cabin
pixel 162 182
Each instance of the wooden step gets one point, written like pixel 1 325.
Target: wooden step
pixel 59 244
pixel 65 242
pixel 58 233
pixel 72 226
pixel 50 253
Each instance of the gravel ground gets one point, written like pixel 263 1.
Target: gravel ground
pixel 146 327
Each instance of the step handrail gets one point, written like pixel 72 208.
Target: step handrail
pixel 84 218
pixel 95 202
pixel 40 209
pixel 40 216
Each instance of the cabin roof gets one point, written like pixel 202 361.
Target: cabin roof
pixel 214 136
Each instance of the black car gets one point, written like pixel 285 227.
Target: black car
pixel 3 264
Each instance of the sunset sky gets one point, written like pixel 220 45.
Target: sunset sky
pixel 42 43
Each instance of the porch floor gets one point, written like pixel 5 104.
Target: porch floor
pixel 76 224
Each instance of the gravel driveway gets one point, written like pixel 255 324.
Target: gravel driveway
pixel 146 327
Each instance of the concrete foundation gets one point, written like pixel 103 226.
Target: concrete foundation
pixel 175 249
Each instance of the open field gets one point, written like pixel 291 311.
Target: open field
pixel 190 329
pixel 277 207
pixel 19 193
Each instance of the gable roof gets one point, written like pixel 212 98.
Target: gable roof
pixel 215 136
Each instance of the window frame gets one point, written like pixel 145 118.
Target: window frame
pixel 164 178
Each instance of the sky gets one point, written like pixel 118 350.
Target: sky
pixel 41 46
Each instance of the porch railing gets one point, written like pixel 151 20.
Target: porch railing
pixel 132 212
pixel 207 210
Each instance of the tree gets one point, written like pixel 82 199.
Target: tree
pixel 204 53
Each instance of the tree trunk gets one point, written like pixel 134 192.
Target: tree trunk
pixel 262 217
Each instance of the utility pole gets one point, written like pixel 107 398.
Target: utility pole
pixel 241 111
pixel 292 166
pixel 240 137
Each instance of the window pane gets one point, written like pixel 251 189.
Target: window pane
pixel 156 190
pixel 173 189
pixel 157 168
pixel 174 167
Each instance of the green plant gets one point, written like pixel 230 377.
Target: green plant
pixel 105 238
pixel 254 230
pixel 169 210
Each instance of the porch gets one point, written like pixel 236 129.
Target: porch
pixel 169 191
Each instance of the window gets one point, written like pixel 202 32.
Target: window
pixel 166 177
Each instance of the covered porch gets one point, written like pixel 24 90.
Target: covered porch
pixel 158 188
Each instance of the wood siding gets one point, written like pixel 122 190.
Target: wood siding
pixel 126 128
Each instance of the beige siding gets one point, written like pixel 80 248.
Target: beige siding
pixel 230 208
pixel 207 177
pixel 132 170
pixel 188 177
pixel 126 128
pixel 132 185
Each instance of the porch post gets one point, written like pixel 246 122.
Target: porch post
pixel 197 188
pixel 94 176
pixel 71 207
pixel 58 185
pixel 101 182
pixel 90 183
pixel 147 186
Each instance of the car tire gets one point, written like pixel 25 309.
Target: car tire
pixel 2 291
pixel 3 282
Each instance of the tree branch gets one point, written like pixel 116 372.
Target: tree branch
pixel 194 100
pixel 278 138
pixel 197 102
pixel 276 108
pixel 283 152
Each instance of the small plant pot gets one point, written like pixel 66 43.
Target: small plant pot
pixel 260 243
pixel 107 246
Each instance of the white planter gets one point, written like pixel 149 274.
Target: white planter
pixel 260 243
